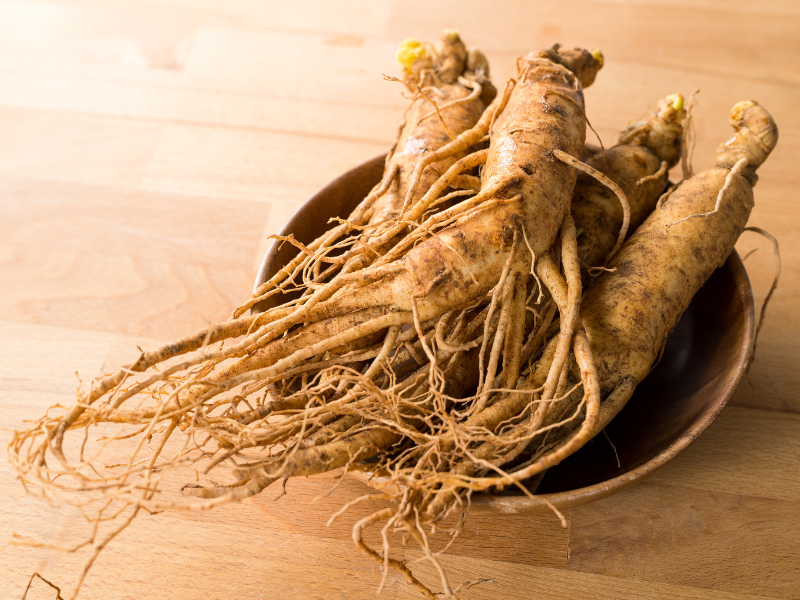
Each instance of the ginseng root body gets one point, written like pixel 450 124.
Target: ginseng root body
pixel 526 190
pixel 461 92
pixel 629 313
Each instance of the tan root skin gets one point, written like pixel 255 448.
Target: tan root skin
pixel 629 313
pixel 417 138
pixel 440 270
pixel 422 131
pixel 639 165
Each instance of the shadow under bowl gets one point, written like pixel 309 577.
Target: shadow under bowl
pixel 703 361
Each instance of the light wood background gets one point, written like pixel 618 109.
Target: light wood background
pixel 147 149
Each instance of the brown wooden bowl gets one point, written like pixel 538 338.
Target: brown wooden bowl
pixel 704 359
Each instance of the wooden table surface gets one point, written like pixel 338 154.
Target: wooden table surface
pixel 147 150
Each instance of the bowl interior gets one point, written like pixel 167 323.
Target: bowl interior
pixel 703 360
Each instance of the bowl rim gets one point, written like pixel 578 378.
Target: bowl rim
pixel 495 504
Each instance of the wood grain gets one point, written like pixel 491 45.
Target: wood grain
pixel 691 537
pixel 745 451
pixel 131 262
pixel 148 150
pixel 214 161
